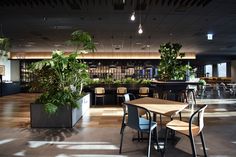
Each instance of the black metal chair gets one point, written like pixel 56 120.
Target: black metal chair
pixel 189 129
pixel 127 97
pixel 140 124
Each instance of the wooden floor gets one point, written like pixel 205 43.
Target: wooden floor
pixel 102 123
pixel 14 112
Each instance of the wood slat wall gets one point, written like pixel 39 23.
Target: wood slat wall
pixel 98 55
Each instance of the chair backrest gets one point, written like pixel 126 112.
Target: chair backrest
pixel 143 90
pixel 200 114
pixel 121 90
pixel 99 90
pixel 128 98
pixel 133 116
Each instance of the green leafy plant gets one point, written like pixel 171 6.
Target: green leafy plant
pixel 4 46
pixel 130 80
pixel 82 41
pixel 170 67
pixel 145 82
pixel 117 83
pixel 61 79
pixel 202 82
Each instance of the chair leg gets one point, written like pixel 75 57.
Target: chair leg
pixel 185 97
pixel 122 124
pixel 203 144
pixel 162 151
pixel 142 136
pixel 193 146
pixel 194 98
pixel 166 136
pixel 103 100
pixel 180 116
pixel 138 137
pixel 160 121
pixel 121 139
pixel 149 144
pixel 95 101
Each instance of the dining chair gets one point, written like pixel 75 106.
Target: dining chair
pixel 120 91
pixel 189 129
pixel 99 93
pixel 127 97
pixel 142 125
pixel 143 91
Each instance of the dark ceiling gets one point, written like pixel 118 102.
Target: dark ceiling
pixel 45 25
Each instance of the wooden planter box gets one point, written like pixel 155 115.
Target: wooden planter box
pixel 65 117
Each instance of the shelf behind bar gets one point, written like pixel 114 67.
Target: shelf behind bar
pixel 97 55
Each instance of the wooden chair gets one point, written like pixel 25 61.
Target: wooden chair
pixel 140 124
pixel 143 91
pixel 99 93
pixel 189 129
pixel 120 91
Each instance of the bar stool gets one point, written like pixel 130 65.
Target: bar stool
pixel 99 93
pixel 143 91
pixel 120 93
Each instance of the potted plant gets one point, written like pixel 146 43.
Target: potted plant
pixel 61 80
pixel 170 68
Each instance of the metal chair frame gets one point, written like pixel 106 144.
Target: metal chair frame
pixel 140 124
pixel 200 114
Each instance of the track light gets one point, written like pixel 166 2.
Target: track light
pixel 140 30
pixel 132 17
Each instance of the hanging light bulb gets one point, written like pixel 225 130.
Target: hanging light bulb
pixel 140 30
pixel 132 17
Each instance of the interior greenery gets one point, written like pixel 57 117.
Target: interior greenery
pixel 62 78
pixel 171 68
pixel 122 82
pixel 4 46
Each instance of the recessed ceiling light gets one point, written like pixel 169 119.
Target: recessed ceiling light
pixel 57 45
pixel 209 36
pixel 62 27
pixel 31 43
pixel 28 45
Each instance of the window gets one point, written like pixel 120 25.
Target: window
pixel 208 70
pixel 221 67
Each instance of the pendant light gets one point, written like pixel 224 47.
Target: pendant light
pixel 132 17
pixel 140 29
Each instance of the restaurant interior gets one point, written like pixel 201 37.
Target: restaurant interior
pixel 117 78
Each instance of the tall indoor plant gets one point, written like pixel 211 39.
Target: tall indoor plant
pixel 171 68
pixel 61 79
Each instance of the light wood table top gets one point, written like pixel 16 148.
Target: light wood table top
pixel 159 106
